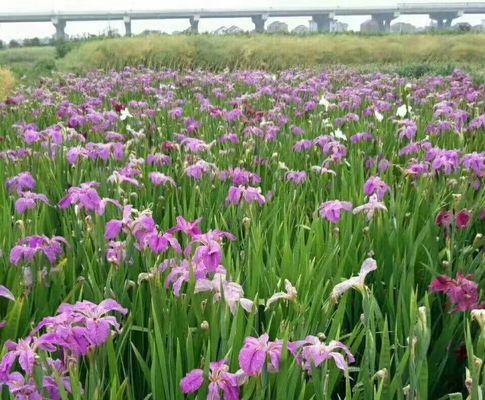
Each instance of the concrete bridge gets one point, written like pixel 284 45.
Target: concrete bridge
pixel 442 13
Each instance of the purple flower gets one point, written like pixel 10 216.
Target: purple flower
pixel 376 186
pixel 297 177
pixel 159 179
pixel 21 183
pixel 28 248
pixel 86 198
pixel 332 210
pixel 255 352
pixel 408 129
pixel 116 253
pixel 28 201
pixel 199 169
pixel 81 327
pixel 6 294
pixel 192 382
pixel 248 194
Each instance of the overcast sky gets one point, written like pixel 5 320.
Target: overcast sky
pixel 22 30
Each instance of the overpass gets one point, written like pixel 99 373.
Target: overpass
pixel 442 13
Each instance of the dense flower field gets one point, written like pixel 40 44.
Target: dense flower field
pixel 304 235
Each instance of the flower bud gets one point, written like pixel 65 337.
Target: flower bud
pixel 204 326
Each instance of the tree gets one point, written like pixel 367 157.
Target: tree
pixel 13 44
pixel 34 42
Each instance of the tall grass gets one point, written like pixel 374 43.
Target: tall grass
pixel 274 52
pixel 7 83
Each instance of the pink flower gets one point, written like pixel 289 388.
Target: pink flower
pixel 355 282
pixel 311 353
pixel 332 210
pixel 255 352
pixel 463 293
pixel 233 292
pixel 370 208
pixel 220 381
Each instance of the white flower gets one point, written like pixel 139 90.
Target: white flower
pixel 356 282
pixel 378 115
pixel 403 110
pixel 125 113
pixel 290 294
pixel 339 135
pixel 324 102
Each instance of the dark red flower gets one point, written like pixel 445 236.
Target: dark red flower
pixel 444 219
pixel 463 219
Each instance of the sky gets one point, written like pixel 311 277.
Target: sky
pixel 28 30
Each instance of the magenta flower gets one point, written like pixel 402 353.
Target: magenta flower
pixel 332 210
pixel 377 186
pixel 191 229
pixel 256 352
pixel 463 293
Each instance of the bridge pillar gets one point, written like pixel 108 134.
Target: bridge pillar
pixel 323 21
pixel 127 22
pixel 259 21
pixel 60 25
pixel 384 21
pixel 194 24
pixel 444 19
